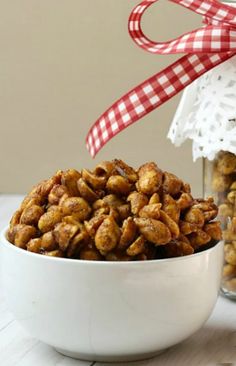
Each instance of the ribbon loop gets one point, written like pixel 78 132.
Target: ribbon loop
pixel 210 39
pixel 206 48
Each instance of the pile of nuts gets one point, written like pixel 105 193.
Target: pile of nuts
pixel 114 213
pixel 224 186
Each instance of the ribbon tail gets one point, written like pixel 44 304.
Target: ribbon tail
pixel 149 95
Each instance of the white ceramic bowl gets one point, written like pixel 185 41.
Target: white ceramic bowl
pixel 110 311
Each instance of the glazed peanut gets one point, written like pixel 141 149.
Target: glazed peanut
pixel 56 194
pixel 31 215
pixel 48 220
pixel 63 234
pixel 128 230
pixel 195 216
pixel 171 184
pixel 199 238
pixel 86 192
pixel 150 178
pixel 151 211
pixel 137 247
pixel 171 208
pixel 107 235
pixel 171 224
pixel 118 185
pixel 69 179
pixel 185 201
pixel 77 207
pixel 23 234
pixel 137 201
pixel 95 181
pixel 153 230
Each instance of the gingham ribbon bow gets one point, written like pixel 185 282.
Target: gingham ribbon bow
pixel 205 48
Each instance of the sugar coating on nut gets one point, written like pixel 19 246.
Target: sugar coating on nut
pixel 116 213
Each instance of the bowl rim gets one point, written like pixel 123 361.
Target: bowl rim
pixel 7 244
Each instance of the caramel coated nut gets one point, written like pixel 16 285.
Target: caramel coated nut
pixel 153 230
pixel 69 180
pixel 229 271
pixel 231 226
pixel 221 183
pixel 95 181
pixel 78 207
pixel 48 220
pixel 90 254
pixel 107 235
pixel 195 216
pixel 171 224
pixel 43 188
pixel 226 210
pixel 199 238
pixel 124 211
pixel 171 184
pixel 71 220
pixel 233 186
pixel 151 211
pixel 187 228
pixel 226 163
pixel 56 194
pixel 31 215
pixel 183 238
pixel 34 245
pixel 185 201
pixel 137 201
pixel 137 247
pixel 128 233
pixel 210 215
pixel 208 208
pixel 231 197
pixel 63 234
pixel 105 169
pixel 86 192
pixel 171 208
pixel 230 254
pixel 186 188
pixel 118 185
pixel 77 243
pixel 112 200
pixel 150 178
pixel 30 200
pixel 48 242
pixel 229 236
pixel 55 253
pixel 23 234
pixel 155 198
pixel 93 224
pixel 126 171
pixel 213 230
pixel 177 249
pixel 15 220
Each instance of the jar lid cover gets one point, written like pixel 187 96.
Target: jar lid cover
pixel 207 113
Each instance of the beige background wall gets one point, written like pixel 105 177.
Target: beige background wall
pixel 61 64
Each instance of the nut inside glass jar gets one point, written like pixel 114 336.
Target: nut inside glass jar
pixel 220 181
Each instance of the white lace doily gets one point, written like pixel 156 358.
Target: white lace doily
pixel 207 113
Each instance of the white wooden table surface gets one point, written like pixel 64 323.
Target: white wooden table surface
pixel 214 344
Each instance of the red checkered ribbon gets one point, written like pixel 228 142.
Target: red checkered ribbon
pixel 205 48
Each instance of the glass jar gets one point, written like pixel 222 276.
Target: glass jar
pixel 220 182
